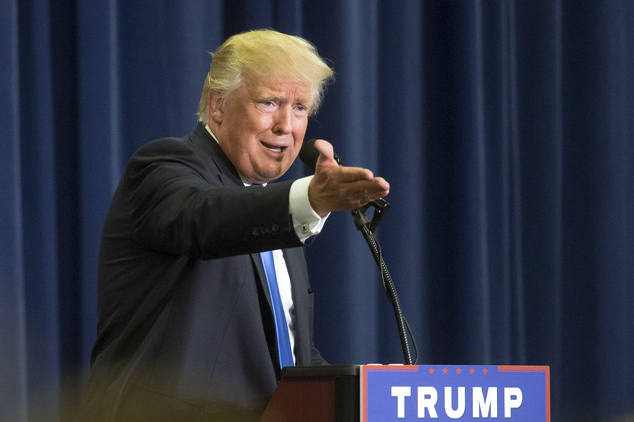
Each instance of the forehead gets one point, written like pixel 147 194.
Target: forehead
pixel 278 88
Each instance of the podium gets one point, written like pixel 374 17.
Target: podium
pixel 316 394
pixel 371 393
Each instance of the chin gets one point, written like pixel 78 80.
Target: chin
pixel 273 174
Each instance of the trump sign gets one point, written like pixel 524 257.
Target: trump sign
pixel 452 392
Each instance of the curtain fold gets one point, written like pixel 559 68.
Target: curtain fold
pixel 503 127
pixel 12 315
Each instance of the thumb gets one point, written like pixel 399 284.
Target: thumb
pixel 326 153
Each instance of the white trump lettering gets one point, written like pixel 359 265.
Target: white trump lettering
pixel 427 399
pixel 400 393
pixel 482 405
pixel 512 400
pixel 449 410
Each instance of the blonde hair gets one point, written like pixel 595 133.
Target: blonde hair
pixel 265 54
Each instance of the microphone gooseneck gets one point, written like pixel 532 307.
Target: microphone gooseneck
pixel 309 155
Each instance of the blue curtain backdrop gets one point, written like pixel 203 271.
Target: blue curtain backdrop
pixel 504 127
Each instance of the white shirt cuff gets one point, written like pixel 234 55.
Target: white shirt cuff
pixel 306 221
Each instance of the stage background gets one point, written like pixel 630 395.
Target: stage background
pixel 504 128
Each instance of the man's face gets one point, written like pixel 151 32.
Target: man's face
pixel 261 128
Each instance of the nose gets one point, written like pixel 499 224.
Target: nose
pixel 283 121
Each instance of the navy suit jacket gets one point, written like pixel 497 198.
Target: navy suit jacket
pixel 186 330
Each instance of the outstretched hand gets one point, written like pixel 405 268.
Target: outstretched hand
pixel 337 188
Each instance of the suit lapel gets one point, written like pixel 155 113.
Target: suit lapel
pixel 261 275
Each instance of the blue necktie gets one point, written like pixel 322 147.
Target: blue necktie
pixel 283 341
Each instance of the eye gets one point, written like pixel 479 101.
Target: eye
pixel 267 105
pixel 302 109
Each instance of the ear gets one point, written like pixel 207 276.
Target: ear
pixel 216 112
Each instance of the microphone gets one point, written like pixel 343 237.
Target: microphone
pixel 309 154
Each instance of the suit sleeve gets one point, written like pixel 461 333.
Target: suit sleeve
pixel 180 203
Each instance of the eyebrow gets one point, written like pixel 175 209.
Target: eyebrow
pixel 277 96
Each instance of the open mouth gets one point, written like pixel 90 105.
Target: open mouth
pixel 274 148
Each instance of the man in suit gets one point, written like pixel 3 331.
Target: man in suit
pixel 186 328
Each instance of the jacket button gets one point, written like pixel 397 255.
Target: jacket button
pixel 275 228
pixel 256 232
